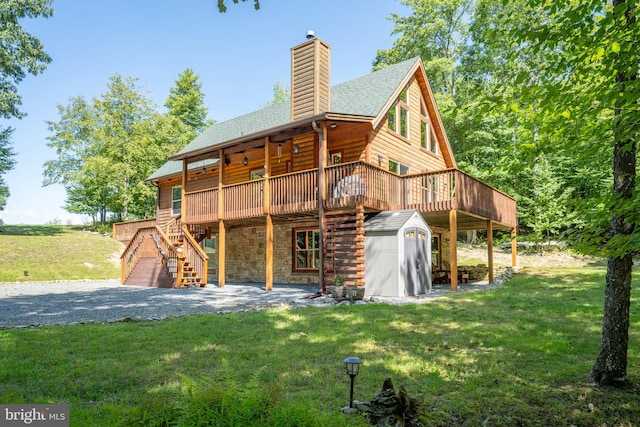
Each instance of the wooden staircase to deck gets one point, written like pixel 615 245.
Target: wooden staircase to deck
pixel 149 272
pixel 156 258
pixel 185 274
pixel 344 246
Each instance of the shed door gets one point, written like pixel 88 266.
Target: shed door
pixel 416 249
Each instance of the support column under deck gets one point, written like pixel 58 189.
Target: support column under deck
pixel 490 249
pixel 269 254
pixel 514 249
pixel 453 247
pixel 222 248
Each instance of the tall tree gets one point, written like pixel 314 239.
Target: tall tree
pixel 586 92
pixel 6 163
pixel 105 149
pixel 21 53
pixel 186 103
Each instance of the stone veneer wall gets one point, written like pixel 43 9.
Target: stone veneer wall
pixel 245 261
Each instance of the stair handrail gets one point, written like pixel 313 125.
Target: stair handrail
pixel 195 254
pixel 131 254
pixel 173 229
pixel 134 251
pixel 169 253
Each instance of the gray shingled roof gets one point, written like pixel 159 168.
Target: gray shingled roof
pixel 173 167
pixel 363 96
pixel 389 220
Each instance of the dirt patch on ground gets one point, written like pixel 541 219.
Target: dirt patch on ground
pixel 473 255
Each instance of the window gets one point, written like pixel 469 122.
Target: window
pixel 398 115
pixel 397 167
pixel 307 249
pixel 256 174
pixel 336 158
pixel 436 261
pixel 428 139
pixel 176 200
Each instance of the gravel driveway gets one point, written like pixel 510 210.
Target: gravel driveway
pixel 36 304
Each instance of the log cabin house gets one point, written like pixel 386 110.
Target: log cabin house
pixel 281 195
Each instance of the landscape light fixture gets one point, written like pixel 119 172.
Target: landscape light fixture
pixel 352 365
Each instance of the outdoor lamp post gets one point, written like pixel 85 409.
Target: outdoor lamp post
pixel 352 364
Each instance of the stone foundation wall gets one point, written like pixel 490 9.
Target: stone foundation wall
pixel 246 254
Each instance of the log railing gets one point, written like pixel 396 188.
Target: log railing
pixel 124 231
pixel 351 184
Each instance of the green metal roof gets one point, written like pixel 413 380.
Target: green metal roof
pixel 363 96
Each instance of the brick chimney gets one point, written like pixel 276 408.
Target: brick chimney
pixel 310 83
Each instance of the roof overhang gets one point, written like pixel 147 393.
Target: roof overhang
pixel 278 133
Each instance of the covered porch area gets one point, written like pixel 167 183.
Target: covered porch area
pixel 457 220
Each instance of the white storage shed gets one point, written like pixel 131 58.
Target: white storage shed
pixel 397 247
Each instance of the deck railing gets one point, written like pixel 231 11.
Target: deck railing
pixel 350 184
pixel 294 192
pixel 124 231
pixel 202 206
pixel 244 200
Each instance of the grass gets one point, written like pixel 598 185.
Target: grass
pixel 55 252
pixel 514 356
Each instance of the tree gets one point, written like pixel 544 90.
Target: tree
pixel 105 149
pixel 280 94
pixel 186 102
pixel 6 163
pixel 108 146
pixel 21 53
pixel 586 90
pixel 223 8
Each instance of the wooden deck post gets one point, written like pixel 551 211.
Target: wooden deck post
pixel 183 195
pixel 514 249
pixel 322 187
pixel 222 248
pixel 268 276
pixel 269 254
pixel 490 249
pixel 453 248
pixel 222 227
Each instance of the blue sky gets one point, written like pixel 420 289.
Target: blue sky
pixel 239 56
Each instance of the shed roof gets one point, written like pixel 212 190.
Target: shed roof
pixel 391 220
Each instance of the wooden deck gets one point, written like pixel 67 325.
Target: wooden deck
pixel 433 194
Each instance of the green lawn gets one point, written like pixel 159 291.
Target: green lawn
pixel 55 252
pixel 514 356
